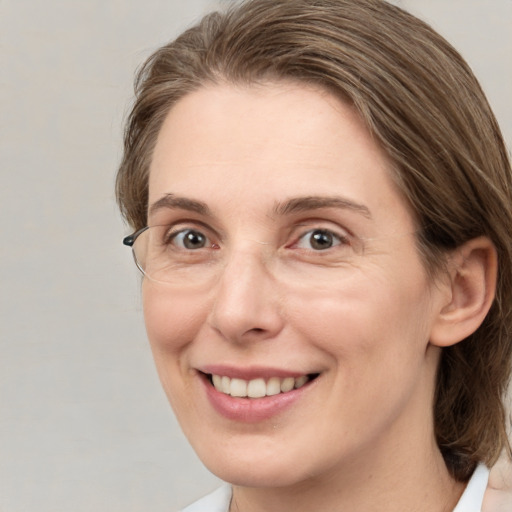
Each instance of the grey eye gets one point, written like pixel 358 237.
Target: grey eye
pixel 318 240
pixel 321 240
pixel 190 239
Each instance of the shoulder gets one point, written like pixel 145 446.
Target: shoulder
pixel 217 501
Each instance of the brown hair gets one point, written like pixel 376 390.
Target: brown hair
pixel 425 107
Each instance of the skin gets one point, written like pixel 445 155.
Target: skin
pixel 362 314
pixel 498 497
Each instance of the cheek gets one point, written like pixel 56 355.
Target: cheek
pixel 172 322
pixel 363 305
pixel 370 324
pixel 375 334
pixel 171 319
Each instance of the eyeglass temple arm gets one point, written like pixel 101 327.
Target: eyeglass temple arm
pixel 130 239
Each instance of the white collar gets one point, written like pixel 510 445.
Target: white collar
pixel 473 496
pixel 217 501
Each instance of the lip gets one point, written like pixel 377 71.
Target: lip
pixel 251 410
pixel 249 373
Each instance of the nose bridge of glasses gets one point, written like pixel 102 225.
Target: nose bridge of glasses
pixel 245 263
pixel 249 251
pixel 247 270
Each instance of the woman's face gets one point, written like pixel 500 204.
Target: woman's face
pixel 293 265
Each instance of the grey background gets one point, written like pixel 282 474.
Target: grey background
pixel 83 422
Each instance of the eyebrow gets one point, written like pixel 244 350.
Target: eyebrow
pixel 294 205
pixel 301 204
pixel 172 201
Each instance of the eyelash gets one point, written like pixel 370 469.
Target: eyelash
pixel 174 235
pixel 338 239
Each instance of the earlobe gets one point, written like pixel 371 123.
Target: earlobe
pixel 472 281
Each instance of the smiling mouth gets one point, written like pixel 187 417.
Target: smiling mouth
pixel 258 388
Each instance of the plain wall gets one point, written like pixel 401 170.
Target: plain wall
pixel 84 424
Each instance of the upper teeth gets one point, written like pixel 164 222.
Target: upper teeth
pixel 257 388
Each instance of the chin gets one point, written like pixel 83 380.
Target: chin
pixel 257 461
pixel 255 474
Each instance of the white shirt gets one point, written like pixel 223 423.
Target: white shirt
pixel 473 496
pixel 470 501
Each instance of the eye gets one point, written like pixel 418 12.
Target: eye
pixel 190 239
pixel 319 240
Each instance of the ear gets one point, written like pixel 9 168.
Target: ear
pixel 471 283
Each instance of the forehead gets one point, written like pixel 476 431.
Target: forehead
pixel 259 122
pixel 261 143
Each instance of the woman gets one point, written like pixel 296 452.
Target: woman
pixel 328 262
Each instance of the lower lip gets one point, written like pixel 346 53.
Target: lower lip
pixel 252 410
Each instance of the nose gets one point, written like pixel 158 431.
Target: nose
pixel 247 305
